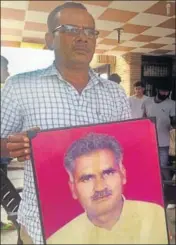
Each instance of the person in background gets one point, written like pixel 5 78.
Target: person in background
pixel 137 100
pixel 68 93
pixel 172 145
pixel 163 109
pixel 4 160
pixel 172 153
pixel 115 78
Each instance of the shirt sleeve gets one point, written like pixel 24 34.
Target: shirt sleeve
pixel 11 116
pixel 172 111
pixel 126 109
pixel 129 99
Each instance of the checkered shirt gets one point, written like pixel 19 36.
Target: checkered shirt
pixel 43 98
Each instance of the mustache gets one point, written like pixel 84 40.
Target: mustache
pixel 101 194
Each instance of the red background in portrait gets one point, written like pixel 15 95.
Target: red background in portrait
pixel 138 139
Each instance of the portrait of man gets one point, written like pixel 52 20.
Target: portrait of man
pixel 97 177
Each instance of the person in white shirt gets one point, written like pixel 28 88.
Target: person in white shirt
pixel 137 100
pixel 163 109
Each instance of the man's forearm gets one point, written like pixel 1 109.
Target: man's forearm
pixel 4 150
pixel 173 122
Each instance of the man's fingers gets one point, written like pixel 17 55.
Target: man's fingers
pixel 18 138
pixel 20 153
pixel 22 159
pixel 17 146
pixel 21 137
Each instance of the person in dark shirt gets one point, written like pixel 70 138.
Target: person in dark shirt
pixel 115 78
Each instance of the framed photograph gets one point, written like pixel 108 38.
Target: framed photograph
pixel 100 184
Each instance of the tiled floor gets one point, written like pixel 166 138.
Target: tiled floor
pixel 10 237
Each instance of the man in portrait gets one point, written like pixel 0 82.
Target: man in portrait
pixel 97 177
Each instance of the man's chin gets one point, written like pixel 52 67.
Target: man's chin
pixel 101 210
pixel 82 57
pixel 80 60
pixel 98 215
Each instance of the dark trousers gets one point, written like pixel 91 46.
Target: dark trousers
pixel 3 167
pixel 164 161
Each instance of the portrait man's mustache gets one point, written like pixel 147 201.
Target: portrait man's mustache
pixel 101 194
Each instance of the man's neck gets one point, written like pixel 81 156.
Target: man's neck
pixel 77 76
pixel 139 96
pixel 108 220
pixel 156 99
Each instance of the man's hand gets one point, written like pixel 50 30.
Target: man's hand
pixel 18 145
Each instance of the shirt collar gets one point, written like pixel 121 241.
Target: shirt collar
pixel 49 71
pixel 94 78
pixel 52 71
